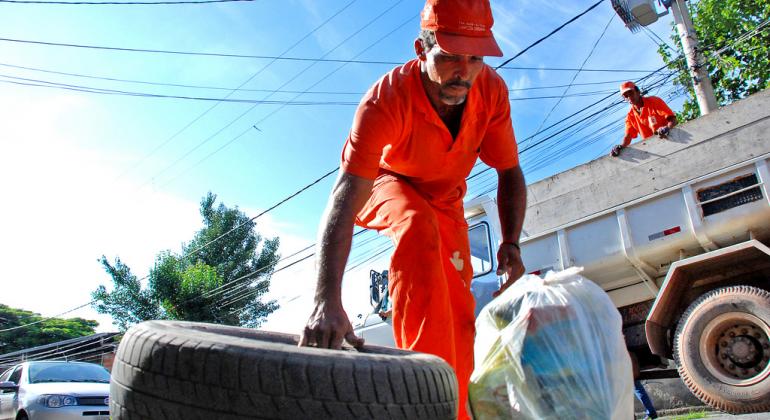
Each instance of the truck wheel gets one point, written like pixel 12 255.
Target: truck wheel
pixel 195 371
pixel 722 349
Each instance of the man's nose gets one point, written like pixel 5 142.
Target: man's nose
pixel 462 70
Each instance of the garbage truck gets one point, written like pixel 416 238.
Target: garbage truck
pixel 676 231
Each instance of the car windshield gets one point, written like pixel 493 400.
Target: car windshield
pixel 67 372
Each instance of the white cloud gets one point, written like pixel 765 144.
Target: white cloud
pixel 522 82
pixel 63 211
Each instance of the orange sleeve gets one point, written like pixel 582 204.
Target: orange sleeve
pixel 631 130
pixel 374 127
pixel 499 149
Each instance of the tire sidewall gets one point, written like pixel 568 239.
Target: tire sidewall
pixel 202 371
pixel 690 360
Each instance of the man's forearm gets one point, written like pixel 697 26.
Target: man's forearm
pixel 626 140
pixel 335 238
pixel 511 202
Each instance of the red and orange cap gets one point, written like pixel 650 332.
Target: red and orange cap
pixel 626 86
pixel 461 26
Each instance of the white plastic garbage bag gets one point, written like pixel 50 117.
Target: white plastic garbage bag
pixel 551 348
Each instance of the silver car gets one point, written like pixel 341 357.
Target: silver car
pixel 55 391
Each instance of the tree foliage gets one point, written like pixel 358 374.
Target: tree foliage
pixel 220 277
pixel 45 332
pixel 737 65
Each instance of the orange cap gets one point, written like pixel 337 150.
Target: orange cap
pixel 626 86
pixel 461 26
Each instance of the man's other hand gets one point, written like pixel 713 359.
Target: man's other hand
pixel 663 131
pixel 327 327
pixel 616 150
pixel 509 260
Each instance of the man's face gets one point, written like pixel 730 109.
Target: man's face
pixel 632 96
pixel 453 74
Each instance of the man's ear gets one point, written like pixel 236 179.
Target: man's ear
pixel 419 49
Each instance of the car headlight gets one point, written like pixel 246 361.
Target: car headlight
pixel 55 401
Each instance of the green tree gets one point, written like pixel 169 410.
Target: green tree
pixel 46 332
pixel 220 277
pixel 737 65
pixel 128 303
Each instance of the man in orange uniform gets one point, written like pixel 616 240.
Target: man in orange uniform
pixel 648 115
pixel 415 138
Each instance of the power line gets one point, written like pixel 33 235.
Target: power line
pixel 193 53
pixel 577 73
pixel 238 284
pixel 119 3
pixel 271 208
pixel 233 121
pixel 559 28
pixel 531 137
pixel 590 139
pixel 660 42
pixel 87 89
pixel 46 319
pixel 312 92
pixel 255 125
pixel 101 91
pixel 201 115
pixel 282 58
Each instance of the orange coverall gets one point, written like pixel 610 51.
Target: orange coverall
pixel 653 116
pixel 398 140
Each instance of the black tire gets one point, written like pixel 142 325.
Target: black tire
pixel 722 349
pixel 189 371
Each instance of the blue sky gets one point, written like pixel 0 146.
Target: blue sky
pixel 87 174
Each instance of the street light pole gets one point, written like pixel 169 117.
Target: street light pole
pixel 701 83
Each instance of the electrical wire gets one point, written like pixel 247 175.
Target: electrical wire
pixel 231 141
pixel 257 73
pixel 87 89
pixel 577 73
pixel 120 3
pixel 46 319
pixel 89 303
pixel 283 58
pixel 309 92
pixel 559 28
pixel 249 129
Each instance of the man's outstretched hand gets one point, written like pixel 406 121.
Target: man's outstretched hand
pixel 616 150
pixel 509 260
pixel 663 131
pixel 327 327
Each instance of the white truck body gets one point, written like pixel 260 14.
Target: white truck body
pixel 657 228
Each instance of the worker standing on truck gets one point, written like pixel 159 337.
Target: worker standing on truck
pixel 648 115
pixel 415 138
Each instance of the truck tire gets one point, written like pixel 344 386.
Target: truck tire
pixel 195 371
pixel 722 348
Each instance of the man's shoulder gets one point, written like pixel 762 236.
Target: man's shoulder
pixel 397 80
pixel 654 100
pixel 491 79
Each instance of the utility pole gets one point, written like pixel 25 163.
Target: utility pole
pixel 701 83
